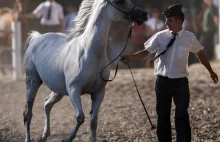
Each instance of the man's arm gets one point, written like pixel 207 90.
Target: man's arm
pixel 204 60
pixel 37 13
pixel 29 16
pixel 138 56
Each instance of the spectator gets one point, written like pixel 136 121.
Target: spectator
pixel 209 28
pixel 199 18
pixel 154 24
pixel 51 14
pixel 197 28
pixel 188 24
pixel 71 14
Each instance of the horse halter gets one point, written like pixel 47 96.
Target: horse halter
pixel 128 14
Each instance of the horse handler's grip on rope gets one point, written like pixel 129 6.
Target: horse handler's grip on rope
pixel 125 59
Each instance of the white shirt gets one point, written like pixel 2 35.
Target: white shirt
pixel 174 63
pixel 56 13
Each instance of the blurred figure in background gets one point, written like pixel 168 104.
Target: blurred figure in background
pixel 198 19
pixel 71 11
pixel 51 14
pixel 154 24
pixel 209 28
pixel 188 23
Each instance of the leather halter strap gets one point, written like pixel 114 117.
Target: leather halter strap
pixel 126 13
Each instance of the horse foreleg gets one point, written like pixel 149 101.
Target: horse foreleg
pixel 33 83
pixel 96 102
pixel 74 95
pixel 49 102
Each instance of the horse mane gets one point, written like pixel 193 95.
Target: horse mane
pixel 81 20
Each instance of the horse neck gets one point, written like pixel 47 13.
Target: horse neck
pixel 96 32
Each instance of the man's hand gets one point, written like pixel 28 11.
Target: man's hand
pixel 125 59
pixel 214 77
pixel 138 56
pixel 204 60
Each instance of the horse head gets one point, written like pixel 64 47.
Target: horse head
pixel 124 10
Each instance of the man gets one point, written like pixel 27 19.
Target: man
pixel 51 14
pixel 172 73
pixel 209 28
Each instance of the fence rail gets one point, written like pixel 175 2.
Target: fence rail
pixel 15 50
pixel 6 31
pixel 5 49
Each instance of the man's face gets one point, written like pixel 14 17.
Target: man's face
pixel 172 23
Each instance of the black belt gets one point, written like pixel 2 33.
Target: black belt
pixel 165 77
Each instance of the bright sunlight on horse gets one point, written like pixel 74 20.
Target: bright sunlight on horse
pixel 71 64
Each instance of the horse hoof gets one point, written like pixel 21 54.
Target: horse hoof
pixel 66 139
pixel 40 139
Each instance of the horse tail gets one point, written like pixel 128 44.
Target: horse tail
pixel 32 36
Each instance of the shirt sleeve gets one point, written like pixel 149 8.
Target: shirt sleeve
pixel 152 44
pixel 196 46
pixel 38 12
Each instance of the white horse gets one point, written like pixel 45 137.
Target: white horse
pixel 71 65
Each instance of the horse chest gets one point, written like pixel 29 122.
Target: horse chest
pixel 93 82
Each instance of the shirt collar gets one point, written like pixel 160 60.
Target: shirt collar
pixel 180 33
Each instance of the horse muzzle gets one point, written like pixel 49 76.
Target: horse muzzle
pixel 138 16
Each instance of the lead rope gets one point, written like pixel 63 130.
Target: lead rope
pixel 116 70
pixel 152 126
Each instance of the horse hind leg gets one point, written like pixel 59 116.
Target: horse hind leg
pixel 52 99
pixel 33 83
pixel 96 103
pixel 74 95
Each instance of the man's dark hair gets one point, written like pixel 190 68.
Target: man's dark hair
pixel 174 11
pixel 180 17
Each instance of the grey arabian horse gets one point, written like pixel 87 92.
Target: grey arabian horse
pixel 71 64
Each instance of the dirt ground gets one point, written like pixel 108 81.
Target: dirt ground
pixel 121 118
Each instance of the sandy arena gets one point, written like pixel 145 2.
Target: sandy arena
pixel 121 118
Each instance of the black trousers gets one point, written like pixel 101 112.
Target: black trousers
pixel 178 89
